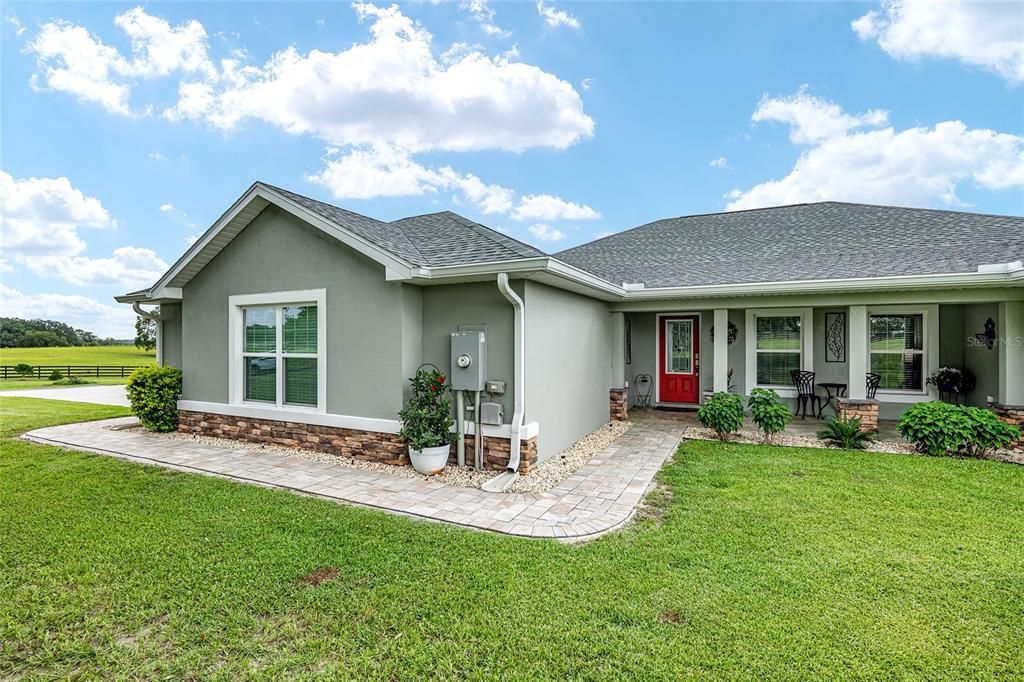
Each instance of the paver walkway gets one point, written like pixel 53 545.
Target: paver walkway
pixel 101 395
pixel 600 497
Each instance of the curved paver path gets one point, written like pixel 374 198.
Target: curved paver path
pixel 600 497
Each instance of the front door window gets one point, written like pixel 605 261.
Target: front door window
pixel 679 350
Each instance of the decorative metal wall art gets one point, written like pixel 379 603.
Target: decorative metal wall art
pixel 835 337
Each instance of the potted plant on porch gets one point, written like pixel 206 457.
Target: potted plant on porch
pixel 427 421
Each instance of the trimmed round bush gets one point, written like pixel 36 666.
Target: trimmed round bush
pixel 23 368
pixel 937 428
pixel 153 393
pixel 769 412
pixel 55 375
pixel 722 412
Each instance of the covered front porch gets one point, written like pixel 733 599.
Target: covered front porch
pixel 877 351
pixel 808 427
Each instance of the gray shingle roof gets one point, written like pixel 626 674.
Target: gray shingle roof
pixel 447 238
pixel 430 240
pixel 828 240
pixel 384 235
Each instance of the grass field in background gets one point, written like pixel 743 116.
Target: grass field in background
pixel 77 355
pixel 752 562
pixel 18 384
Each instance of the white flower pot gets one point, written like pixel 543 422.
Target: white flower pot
pixel 430 461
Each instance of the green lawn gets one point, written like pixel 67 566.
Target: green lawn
pixel 77 355
pixel 756 562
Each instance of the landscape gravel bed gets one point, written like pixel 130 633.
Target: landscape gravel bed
pixel 897 447
pixel 545 476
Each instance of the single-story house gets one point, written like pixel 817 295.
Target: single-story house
pixel 295 321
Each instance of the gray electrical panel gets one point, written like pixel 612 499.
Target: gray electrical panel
pixel 492 413
pixel 469 361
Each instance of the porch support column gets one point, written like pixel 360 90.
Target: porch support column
pixel 618 350
pixel 721 356
pixel 857 351
pixel 1010 337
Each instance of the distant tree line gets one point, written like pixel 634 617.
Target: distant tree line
pixel 18 333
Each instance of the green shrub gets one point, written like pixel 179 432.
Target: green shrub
pixel 426 418
pixel 71 381
pixel 153 393
pixel 722 412
pixel 846 433
pixel 990 432
pixel 23 368
pixel 55 375
pixel 937 428
pixel 769 413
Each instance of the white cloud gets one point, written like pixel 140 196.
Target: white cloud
pixel 128 266
pixel 812 119
pixel 587 83
pixel 41 216
pixel 16 23
pixel 166 208
pixel 910 167
pixel 159 49
pixel 989 35
pixel 720 162
pixel 546 233
pixel 393 90
pixel 483 14
pixel 553 18
pixel 157 156
pixel 387 171
pixel 82 312
pixel 72 60
pixel 547 207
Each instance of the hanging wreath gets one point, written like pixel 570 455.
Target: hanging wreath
pixel 733 333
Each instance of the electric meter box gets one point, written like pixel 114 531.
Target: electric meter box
pixel 469 361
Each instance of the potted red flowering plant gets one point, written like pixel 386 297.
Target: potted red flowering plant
pixel 427 421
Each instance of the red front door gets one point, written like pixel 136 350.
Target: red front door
pixel 679 360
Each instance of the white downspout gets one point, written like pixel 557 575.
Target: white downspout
pixel 159 331
pixel 520 368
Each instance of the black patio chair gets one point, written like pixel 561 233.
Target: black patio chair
pixel 872 383
pixel 805 393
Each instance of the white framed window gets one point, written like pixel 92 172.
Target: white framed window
pixel 778 342
pixel 277 350
pixel 897 348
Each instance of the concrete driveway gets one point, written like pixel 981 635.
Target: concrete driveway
pixel 101 395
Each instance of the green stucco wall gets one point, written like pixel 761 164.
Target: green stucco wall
pixel 366 315
pixel 447 306
pixel 568 364
pixel 170 339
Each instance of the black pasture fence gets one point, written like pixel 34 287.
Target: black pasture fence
pixel 66 371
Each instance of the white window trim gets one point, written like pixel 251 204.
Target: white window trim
pixel 236 371
pixel 930 352
pixel 806 316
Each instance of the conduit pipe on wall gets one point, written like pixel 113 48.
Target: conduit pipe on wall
pixel 152 315
pixel 519 360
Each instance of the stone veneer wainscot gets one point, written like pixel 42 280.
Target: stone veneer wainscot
pixel 619 404
pixel 867 410
pixel 370 446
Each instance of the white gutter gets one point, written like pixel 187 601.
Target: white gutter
pixel 519 371
pixel 150 315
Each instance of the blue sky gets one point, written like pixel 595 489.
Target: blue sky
pixel 128 129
